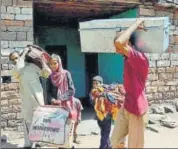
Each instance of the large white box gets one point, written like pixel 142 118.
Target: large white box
pixel 97 36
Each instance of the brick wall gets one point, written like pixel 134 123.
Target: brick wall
pixel 162 84
pixel 16 33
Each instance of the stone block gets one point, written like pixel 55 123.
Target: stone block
pixel 175 32
pixel 152 70
pixel 174 57
pixel 13 123
pixel 176 75
pixel 6 2
pixel 3 124
pixel 11 86
pixel 176 39
pixel 154 56
pixel 151 89
pixel 19 44
pixel 19 116
pixel 15 108
pixel 3 9
pixel 172 82
pixel 23 17
pixel 27 11
pixel 168 95
pixel 2 87
pixel 157 83
pixel 9 116
pixel 12 23
pixel 163 88
pixel 9 95
pixel 21 36
pixel 172 27
pixel 21 128
pixel 29 23
pixel 19 29
pixel 13 10
pixel 152 77
pixel 176 68
pixel 149 97
pixel 152 64
pixel 23 3
pixel 4 103
pixel 147 12
pixel 4 60
pixel 173 88
pixel 161 70
pixel 3 28
pixel 11 66
pixel 4 44
pixel 6 52
pixel 165 76
pixel 14 102
pixel 30 36
pixel 6 73
pixel 8 36
pixel 163 63
pixel 171 69
pixel 157 96
pixel 174 63
pixel 165 56
pixel 7 16
pixel 4 110
pixel 4 66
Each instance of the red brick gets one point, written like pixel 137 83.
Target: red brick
pixel 176 68
pixel 176 39
pixel 176 14
pixel 12 23
pixel 147 12
pixel 28 23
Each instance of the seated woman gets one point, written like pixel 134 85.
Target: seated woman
pixel 61 89
pixel 107 100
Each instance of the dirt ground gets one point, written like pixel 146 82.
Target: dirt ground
pixel 90 138
pixel 166 138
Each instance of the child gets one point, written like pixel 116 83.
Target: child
pixel 107 101
pixel 78 107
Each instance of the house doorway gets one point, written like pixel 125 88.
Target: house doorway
pixel 91 69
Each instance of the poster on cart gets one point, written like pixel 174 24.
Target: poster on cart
pixel 49 125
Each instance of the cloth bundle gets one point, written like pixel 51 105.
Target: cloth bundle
pixel 108 100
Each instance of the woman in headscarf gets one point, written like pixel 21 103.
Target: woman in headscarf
pixel 61 89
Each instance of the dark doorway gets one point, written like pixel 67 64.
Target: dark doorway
pixel 91 68
pixel 60 50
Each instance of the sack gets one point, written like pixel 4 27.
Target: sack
pixel 49 125
pixel 35 54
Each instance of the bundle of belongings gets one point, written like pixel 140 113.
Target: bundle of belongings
pixel 34 55
pixel 109 101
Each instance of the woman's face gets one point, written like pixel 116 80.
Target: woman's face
pixel 53 64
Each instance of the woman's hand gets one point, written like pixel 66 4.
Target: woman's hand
pixel 56 102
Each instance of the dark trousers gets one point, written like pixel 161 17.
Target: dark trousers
pixel 105 127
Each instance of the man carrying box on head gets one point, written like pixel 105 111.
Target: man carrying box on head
pixel 132 116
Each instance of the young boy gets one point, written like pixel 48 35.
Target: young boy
pixel 106 105
pixel 78 107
